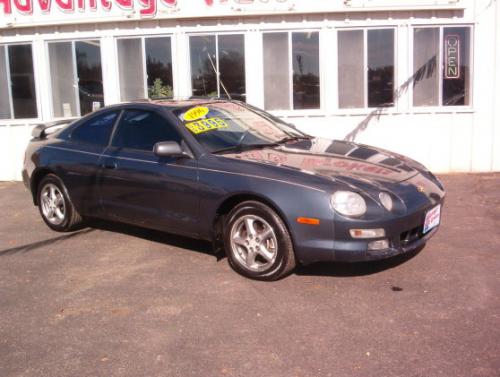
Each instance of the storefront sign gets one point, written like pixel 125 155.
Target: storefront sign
pixel 145 7
pixel 452 56
pixel 35 12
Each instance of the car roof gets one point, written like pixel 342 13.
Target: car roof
pixel 173 104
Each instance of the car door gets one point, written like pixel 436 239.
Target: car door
pixel 139 187
pixel 79 156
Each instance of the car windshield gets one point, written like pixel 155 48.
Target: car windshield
pixel 228 126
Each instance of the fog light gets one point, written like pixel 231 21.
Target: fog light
pixel 378 245
pixel 367 233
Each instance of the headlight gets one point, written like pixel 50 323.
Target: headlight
pixel 348 203
pixel 386 200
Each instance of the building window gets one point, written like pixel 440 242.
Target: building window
pixel 17 82
pixel 223 53
pixel 291 70
pixel 145 68
pixel 76 77
pixel 366 68
pixel 441 65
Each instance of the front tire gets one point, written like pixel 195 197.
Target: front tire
pixel 257 242
pixel 55 207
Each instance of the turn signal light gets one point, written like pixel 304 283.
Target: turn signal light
pixel 308 220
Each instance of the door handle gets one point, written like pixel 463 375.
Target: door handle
pixel 109 165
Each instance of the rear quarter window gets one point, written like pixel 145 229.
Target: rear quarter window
pixel 95 131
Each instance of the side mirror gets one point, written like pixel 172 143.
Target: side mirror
pixel 169 149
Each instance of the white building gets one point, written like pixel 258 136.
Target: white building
pixel 416 77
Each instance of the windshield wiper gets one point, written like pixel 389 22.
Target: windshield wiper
pixel 244 147
pixel 294 138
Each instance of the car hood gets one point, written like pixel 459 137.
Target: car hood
pixel 339 160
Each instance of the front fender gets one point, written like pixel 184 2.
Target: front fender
pixel 290 200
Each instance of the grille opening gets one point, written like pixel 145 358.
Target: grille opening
pixel 411 235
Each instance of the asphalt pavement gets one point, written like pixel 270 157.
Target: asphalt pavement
pixel 123 301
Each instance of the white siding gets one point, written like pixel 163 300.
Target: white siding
pixel 444 139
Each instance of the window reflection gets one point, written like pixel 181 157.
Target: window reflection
pixel 229 61
pixel 89 71
pixel 380 68
pixel 305 52
pixel 232 66
pixel 159 67
pixel 426 74
pixel 22 81
pixel 203 66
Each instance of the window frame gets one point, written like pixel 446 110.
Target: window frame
pixel 292 111
pixel 143 38
pixel 440 108
pixel 216 35
pixel 366 109
pixel 12 118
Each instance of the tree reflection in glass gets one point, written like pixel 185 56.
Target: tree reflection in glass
pixel 159 67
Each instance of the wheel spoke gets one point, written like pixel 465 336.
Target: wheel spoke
pixel 249 224
pixel 45 199
pixel 52 192
pixel 239 241
pixel 250 259
pixel 266 233
pixel 59 213
pixel 265 253
pixel 59 200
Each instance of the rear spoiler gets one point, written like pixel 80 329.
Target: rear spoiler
pixel 44 129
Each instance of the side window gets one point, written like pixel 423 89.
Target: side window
pixel 97 130
pixel 142 130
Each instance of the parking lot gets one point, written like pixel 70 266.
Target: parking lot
pixel 122 301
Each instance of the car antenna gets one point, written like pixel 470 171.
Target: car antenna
pixel 218 75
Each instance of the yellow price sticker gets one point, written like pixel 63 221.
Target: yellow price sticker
pixel 196 113
pixel 205 125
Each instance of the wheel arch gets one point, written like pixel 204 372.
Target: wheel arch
pixel 36 178
pixel 227 204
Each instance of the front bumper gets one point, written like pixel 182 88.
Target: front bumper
pixel 353 251
pixel 405 234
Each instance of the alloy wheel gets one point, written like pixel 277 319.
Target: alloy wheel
pixel 53 204
pixel 253 243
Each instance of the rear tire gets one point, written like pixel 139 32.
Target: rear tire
pixel 257 242
pixel 55 207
